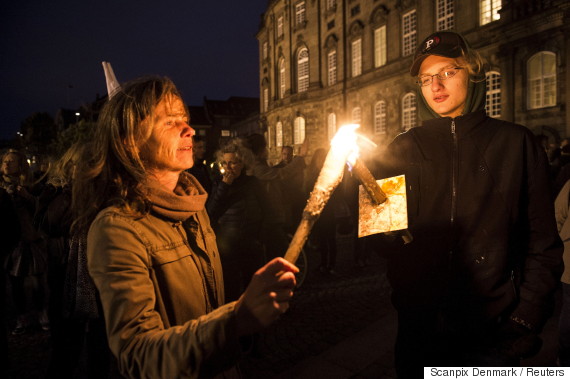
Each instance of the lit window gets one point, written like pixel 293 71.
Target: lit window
pixel 490 11
pixel 265 50
pixel 445 15
pixel 380 46
pixel 279 134
pixel 357 57
pixel 331 125
pixel 280 26
pixel 332 67
pixel 270 141
pixel 380 117
pixel 409 111
pixel 265 99
pixel 282 78
pixel 541 76
pixel 409 36
pixel 300 13
pixel 303 70
pixel 356 115
pixel 493 97
pixel 299 131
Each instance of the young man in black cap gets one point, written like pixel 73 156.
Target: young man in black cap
pixel 475 285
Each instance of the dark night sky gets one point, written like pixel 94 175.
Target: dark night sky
pixel 208 48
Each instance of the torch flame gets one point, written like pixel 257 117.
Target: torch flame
pixel 342 144
pixel 345 137
pixel 345 141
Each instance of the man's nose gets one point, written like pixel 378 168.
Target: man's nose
pixel 436 83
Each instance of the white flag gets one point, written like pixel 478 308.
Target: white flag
pixel 112 84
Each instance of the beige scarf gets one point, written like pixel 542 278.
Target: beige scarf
pixel 188 198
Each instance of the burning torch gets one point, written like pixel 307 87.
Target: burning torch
pixel 344 149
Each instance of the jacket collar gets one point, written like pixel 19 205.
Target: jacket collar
pixel 464 125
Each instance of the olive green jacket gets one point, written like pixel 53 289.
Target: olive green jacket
pixel 161 288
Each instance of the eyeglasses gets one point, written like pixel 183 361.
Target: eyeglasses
pixel 446 73
pixel 226 163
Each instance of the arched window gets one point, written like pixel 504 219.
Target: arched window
pixel 445 14
pixel 299 131
pixel 409 109
pixel 380 46
pixel 303 70
pixel 493 97
pixel 279 134
pixel 541 80
pixel 331 65
pixel 356 115
pixel 331 125
pixel 356 57
pixel 380 117
pixel 409 32
pixel 281 78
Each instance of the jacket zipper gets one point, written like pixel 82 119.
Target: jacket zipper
pixel 454 165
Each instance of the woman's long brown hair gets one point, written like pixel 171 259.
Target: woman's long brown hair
pixel 110 170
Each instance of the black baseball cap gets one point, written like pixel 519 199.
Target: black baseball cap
pixel 444 44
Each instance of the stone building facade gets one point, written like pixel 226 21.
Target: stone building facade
pixel 324 63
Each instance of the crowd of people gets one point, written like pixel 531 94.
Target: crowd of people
pixel 167 266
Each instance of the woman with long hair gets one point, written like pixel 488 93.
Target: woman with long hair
pixel 150 249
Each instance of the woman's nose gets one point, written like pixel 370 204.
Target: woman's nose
pixel 187 130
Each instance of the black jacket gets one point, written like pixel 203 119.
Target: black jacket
pixel 241 205
pixel 481 214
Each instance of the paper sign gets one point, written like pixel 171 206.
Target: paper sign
pixel 389 216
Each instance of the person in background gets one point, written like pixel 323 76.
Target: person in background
pixel 9 235
pixel 200 170
pixel 564 173
pixel 237 207
pixel 324 231
pixel 292 189
pixel 151 250
pixel 476 284
pixel 275 230
pixel 562 210
pixel 26 265
pixel 70 331
pixel 286 156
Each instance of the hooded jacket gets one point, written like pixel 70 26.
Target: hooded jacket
pixel 160 283
pixel 485 244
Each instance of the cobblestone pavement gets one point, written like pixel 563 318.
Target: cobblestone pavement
pixel 325 311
